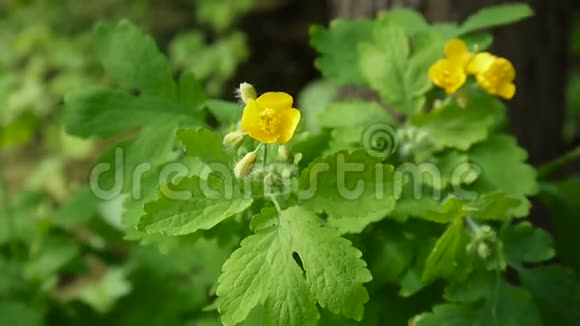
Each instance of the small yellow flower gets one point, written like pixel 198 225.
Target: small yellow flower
pixel 456 51
pixel 270 118
pixel 497 78
pixel 448 75
pixel 480 63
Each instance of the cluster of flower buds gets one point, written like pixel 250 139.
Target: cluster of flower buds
pixel 486 245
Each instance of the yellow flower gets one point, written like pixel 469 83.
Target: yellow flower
pixel 448 75
pixel 270 118
pixel 480 63
pixel 494 74
pixel 456 51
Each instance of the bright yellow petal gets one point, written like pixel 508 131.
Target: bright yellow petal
pixel 448 75
pixel 480 62
pixel 275 100
pixel 507 91
pixel 506 69
pixel 290 119
pixel 455 48
pixel 250 120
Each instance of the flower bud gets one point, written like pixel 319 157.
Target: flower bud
pixel 234 139
pixel 246 92
pixel 245 165
pixel 284 153
pixel 287 173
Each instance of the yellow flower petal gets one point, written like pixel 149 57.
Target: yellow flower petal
pixel 498 77
pixel 507 91
pixel 250 122
pixel 456 50
pixel 505 69
pixel 480 62
pixel 448 75
pixel 290 119
pixel 275 100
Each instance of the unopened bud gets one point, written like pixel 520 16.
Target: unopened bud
pixel 246 92
pixel 234 139
pixel 483 250
pixel 245 165
pixel 287 173
pixel 284 153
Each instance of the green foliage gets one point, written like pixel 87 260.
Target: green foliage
pixel 392 70
pixel 407 206
pixel 264 271
pixel 338 60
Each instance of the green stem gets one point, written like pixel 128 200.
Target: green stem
pixel 472 225
pixel 276 204
pixel 551 167
pixel 265 156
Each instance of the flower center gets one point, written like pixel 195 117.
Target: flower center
pixel 269 121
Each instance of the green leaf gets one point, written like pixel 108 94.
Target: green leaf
pixel 349 185
pixel 190 93
pixel 449 258
pixel 457 127
pixel 101 113
pixel 452 210
pixel 493 206
pixel 337 59
pixel 495 16
pixel 193 204
pixel 477 42
pixel 524 243
pixel 476 287
pixel 505 305
pixel 227 113
pixel 263 271
pixel 102 293
pixel 19 314
pixel 153 146
pixel 502 166
pixel 132 59
pixel 205 144
pixel 104 113
pixel 55 253
pixel 562 200
pixel 409 19
pixel 391 69
pixel 453 168
pixel 556 291
pixel 313 100
pixel 77 210
pixel 391 256
pixel 351 113
pixel 309 146
pixel 415 200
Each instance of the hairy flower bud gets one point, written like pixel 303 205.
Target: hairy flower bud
pixel 284 153
pixel 234 139
pixel 246 92
pixel 245 165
